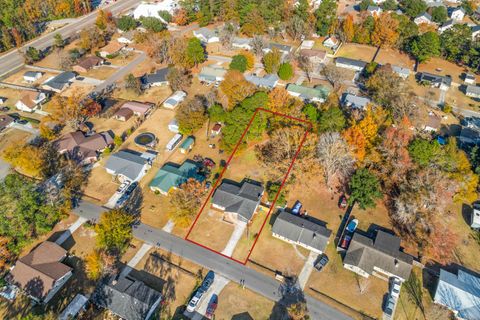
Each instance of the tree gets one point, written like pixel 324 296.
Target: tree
pixel 298 311
pixel 102 20
pixel 442 243
pixel 456 43
pixel 271 61
pixel 348 28
pixel 279 100
pixel 306 65
pixel 93 265
pixel 258 44
pixel 332 120
pixel 194 53
pixel 389 5
pixel 385 33
pixel 425 46
pixel 365 189
pixel 26 158
pixel 356 140
pixel 326 17
pixel 126 23
pixel 179 79
pixel 334 156
pixel 133 84
pixel 250 59
pixel 32 55
pixel 152 24
pixel 91 108
pixel 191 115
pixel 425 152
pixel 180 17
pixel 413 8
pixel 336 76
pixel 58 41
pixel 226 35
pixel 285 71
pixel 234 89
pixel 239 62
pixel 185 202
pixel 68 110
pixel 439 14
pixel 165 15
pixel 114 230
pixel 365 4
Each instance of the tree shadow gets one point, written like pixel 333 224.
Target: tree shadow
pixel 467 212
pixel 291 294
pixel 35 287
pixel 242 316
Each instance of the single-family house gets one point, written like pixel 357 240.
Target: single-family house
pixel 282 48
pixel 317 94
pixel 423 18
pixel 380 257
pixel 469 78
pixel 207 35
pixel 32 76
pixel 41 273
pixel 238 201
pixel 315 56
pixel 331 42
pixel 436 81
pixel 460 293
pixel 401 71
pixel 173 126
pixel 30 101
pixel 128 165
pixel 445 26
pixel 475 217
pixel 187 145
pixel 242 43
pixel 356 102
pixel 268 81
pixel 307 44
pixel 127 297
pixel 301 231
pixel 211 74
pixel 472 91
pixel 111 49
pixel 374 10
pixel 172 176
pixel 146 9
pixel 216 129
pixel 60 81
pixel 5 121
pixel 75 306
pixel 352 64
pixel 81 148
pixel 156 79
pixel 126 37
pixel 456 13
pixel 87 63
pixel 475 32
pixel 131 108
pixel 469 136
pixel 175 99
pixel 433 123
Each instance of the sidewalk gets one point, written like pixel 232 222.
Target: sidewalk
pixel 77 224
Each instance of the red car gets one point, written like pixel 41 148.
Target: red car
pixel 212 306
pixel 345 242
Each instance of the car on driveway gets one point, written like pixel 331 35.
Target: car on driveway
pixel 389 306
pixel 123 186
pixel 345 242
pixel 207 282
pixel 127 194
pixel 395 288
pixel 212 306
pixel 192 305
pixel 322 262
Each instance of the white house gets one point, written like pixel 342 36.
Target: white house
pixel 32 76
pixel 475 32
pixel 469 78
pixel 401 71
pixel 456 14
pixel 473 91
pixel 126 37
pixel 242 43
pixel 445 26
pixel 206 35
pixel 374 10
pixel 151 9
pixel 352 64
pixel 30 101
pixel 174 100
pixel 331 42
pixel 423 18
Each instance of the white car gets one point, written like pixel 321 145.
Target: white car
pixel 192 305
pixel 396 286
pixel 123 186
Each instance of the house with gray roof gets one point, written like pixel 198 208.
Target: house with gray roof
pixel 436 81
pixel 352 64
pixel 60 81
pixel 206 35
pixel 469 135
pixel 212 74
pixel 283 48
pixel 475 32
pixel 128 165
pixel 317 94
pixel 156 79
pixel 380 257
pixel 238 201
pixel 475 217
pixel 460 293
pixel 445 26
pixel 301 231
pixel 424 18
pixel 268 81
pixel 472 91
pixel 127 297
pixel 354 101
pixel 172 176
pixel 242 43
pixel 32 76
pixel 401 71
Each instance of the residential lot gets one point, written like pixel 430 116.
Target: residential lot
pixel 11 137
pixel 12 96
pixel 394 57
pixel 100 73
pixel 101 185
pixel 17 77
pixel 444 68
pixel 154 95
pixel 357 51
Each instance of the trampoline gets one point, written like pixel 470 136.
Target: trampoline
pixel 146 139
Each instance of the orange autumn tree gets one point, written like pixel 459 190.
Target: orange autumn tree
pixel 356 140
pixel 348 28
pixel 279 100
pixel 385 32
pixel 361 136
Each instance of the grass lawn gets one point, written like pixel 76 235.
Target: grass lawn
pixel 101 185
pixel 444 68
pixel 100 73
pixel 123 60
pixel 242 304
pixel 394 57
pixel 244 164
pixel 174 277
pixel 77 88
pixel 106 124
pixel 12 96
pixel 357 51
pixel 319 45
pixel 211 230
pixel 11 137
pixel 154 95
pixel 456 97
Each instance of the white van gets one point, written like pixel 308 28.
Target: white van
pixel 174 142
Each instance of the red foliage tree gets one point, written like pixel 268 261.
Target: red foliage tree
pixel 442 243
pixel 91 108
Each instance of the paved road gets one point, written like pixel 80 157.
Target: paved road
pixel 234 271
pixel 14 59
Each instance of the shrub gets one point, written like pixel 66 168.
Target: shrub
pixel 285 71
pixel 239 62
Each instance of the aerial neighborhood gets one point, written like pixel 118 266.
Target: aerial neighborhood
pixel 241 159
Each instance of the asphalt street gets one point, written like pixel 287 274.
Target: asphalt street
pixel 14 59
pixel 234 271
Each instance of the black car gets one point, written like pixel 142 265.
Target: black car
pixel 321 262
pixel 127 194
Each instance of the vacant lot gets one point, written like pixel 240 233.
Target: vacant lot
pixel 242 304
pixel 357 51
pixel 211 230
pixel 444 68
pixel 174 277
pixel 457 97
pixel 100 73
pixel 124 58
pixel 394 57
pixel 101 185
pixel 77 88
pixel 154 95
pixel 117 127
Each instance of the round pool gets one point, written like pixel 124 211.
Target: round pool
pixel 146 139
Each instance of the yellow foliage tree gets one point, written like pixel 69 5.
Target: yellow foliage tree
pixel 385 32
pixel 93 265
pixel 234 89
pixel 348 28
pixel 27 158
pixel 250 59
pixel 279 100
pixel 369 128
pixel 356 140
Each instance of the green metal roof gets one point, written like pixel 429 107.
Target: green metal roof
pixel 187 143
pixel 306 92
pixel 170 175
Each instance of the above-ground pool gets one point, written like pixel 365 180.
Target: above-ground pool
pixel 146 139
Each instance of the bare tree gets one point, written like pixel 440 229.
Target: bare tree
pixel 258 44
pixel 336 76
pixel 179 79
pixel 306 65
pixel 227 33
pixel 334 156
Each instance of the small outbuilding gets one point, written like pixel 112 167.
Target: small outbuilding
pixel 187 145
pixel 123 114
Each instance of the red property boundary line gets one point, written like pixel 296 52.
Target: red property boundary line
pixel 272 206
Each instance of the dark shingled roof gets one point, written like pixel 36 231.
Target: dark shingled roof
pixel 301 230
pixel 351 62
pixel 242 200
pixel 126 297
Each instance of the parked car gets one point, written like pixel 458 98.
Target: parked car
pixel 212 306
pixel 123 186
pixel 389 306
pixel 396 286
pixel 21 121
pixel 127 194
pixel 192 305
pixel 296 208
pixel 322 262
pixel 342 202
pixel 207 282
pixel 345 242
pixel 352 225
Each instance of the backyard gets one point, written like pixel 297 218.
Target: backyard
pixel 357 51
